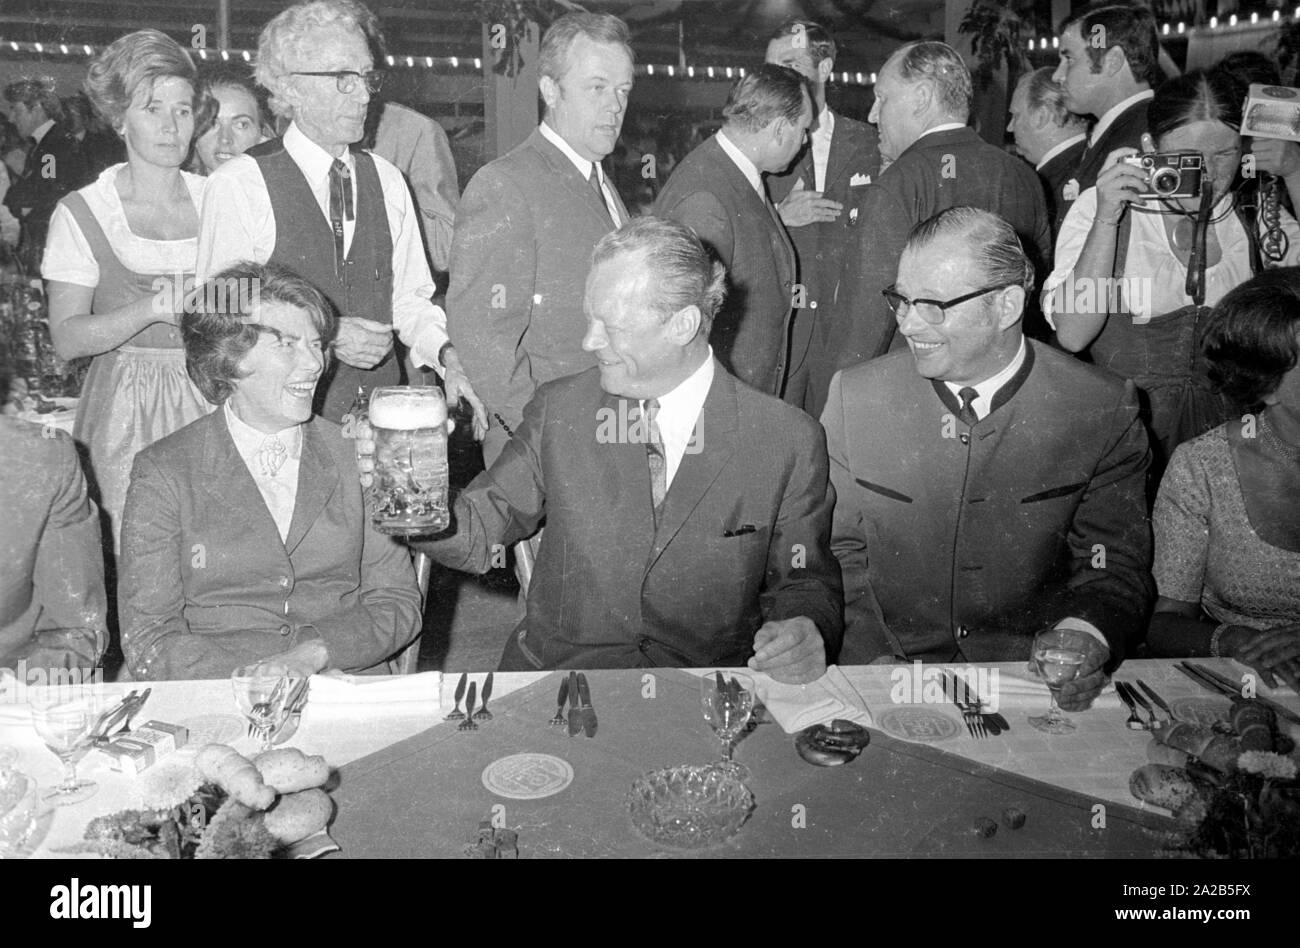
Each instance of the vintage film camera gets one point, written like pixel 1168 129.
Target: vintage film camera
pixel 1170 174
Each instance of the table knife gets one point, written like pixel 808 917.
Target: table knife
pixel 1209 684
pixel 1160 702
pixel 588 712
pixel 1234 691
pixel 1137 696
pixel 575 712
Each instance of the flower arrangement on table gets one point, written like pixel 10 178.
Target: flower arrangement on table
pixel 1233 788
pixel 223 806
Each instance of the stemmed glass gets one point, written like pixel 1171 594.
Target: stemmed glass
pixel 63 718
pixel 260 691
pixel 727 702
pixel 1058 664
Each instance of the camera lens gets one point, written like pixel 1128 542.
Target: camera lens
pixel 1166 181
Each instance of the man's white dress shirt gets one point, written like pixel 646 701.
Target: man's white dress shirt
pixel 237 223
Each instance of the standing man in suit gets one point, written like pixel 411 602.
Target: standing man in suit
pixel 819 199
pixel 1110 62
pixel 987 486
pixel 717 190
pixel 1048 135
pixel 923 98
pixel 528 220
pixel 339 218
pixel 55 164
pixel 687 515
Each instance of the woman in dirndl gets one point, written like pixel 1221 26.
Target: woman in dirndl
pixel 1136 275
pixel 119 253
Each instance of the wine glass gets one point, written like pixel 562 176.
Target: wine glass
pixel 63 718
pixel 260 691
pixel 1058 664
pixel 727 703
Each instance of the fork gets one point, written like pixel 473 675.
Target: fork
pixel 1134 721
pixel 970 714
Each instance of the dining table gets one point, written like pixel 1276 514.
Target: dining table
pixel 410 784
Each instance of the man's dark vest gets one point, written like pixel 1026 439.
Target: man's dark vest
pixel 304 243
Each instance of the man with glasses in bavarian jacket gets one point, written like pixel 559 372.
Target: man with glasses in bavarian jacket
pixel 988 486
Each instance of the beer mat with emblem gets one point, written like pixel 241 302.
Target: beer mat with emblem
pixel 424 796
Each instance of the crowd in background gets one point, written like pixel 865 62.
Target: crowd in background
pixel 982 394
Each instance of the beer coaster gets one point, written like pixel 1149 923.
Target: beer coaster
pixel 1204 712
pixel 527 776
pixel 918 724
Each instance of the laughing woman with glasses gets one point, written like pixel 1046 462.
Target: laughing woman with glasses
pixel 245 537
pixel 1136 276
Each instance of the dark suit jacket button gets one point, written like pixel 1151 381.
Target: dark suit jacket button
pixel 285 630
pixel 965 437
pixel 962 631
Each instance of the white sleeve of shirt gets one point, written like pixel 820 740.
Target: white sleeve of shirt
pixel 1069 247
pixel 236 222
pixel 68 257
pixel 420 324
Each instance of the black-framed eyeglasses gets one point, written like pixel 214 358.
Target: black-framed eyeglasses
pixel 932 311
pixel 346 79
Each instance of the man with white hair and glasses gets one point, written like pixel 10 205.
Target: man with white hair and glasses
pixel 339 218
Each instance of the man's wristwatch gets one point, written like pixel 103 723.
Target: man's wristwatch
pixel 442 353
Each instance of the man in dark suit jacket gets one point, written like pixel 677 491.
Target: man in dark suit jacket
pixel 528 220
pixel 55 164
pixel 717 190
pixel 1109 66
pixel 988 487
pixel 923 97
pixel 819 199
pixel 1048 135
pixel 687 515
pixel 52 606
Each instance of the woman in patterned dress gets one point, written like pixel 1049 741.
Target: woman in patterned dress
pixel 1227 518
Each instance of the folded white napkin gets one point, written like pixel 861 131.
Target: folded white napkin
pixel 1021 690
pixel 796 707
pixel 399 694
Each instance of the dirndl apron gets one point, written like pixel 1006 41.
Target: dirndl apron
pixel 1164 357
pixel 135 394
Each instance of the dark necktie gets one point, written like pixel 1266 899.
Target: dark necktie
pixel 340 207
pixel 655 457
pixel 593 179
pixel 967 413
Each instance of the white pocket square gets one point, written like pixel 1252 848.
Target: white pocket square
pixel 858 180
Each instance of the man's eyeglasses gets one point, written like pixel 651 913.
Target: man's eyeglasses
pixel 346 79
pixel 932 311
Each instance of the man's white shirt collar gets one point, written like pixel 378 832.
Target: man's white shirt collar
pixel 985 390
pixel 679 410
pixel 746 166
pixel 825 124
pixel 42 130
pixel 1112 113
pixel 556 139
pixel 314 161
pixel 1057 149
pixel 946 126
pixel 584 167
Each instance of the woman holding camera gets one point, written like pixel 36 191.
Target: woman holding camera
pixel 1142 257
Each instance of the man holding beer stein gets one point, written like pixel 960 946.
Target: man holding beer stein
pixel 245 538
pixel 687 515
